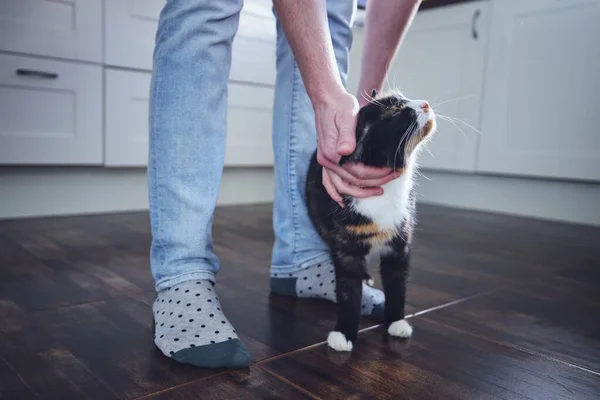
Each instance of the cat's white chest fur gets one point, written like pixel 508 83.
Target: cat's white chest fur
pixel 390 209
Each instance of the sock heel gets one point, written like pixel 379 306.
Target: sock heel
pixel 284 286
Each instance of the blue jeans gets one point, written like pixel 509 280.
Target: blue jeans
pixel 188 106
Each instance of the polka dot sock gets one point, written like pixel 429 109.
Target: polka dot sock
pixel 190 327
pixel 318 282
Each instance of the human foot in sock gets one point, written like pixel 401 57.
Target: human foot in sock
pixel 190 327
pixel 318 282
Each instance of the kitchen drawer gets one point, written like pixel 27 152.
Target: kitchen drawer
pixel 126 139
pixel 130 30
pixel 50 112
pixel 62 29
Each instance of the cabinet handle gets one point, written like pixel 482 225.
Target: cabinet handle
pixel 37 74
pixel 474 31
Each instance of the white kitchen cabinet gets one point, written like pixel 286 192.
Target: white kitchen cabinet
pixel 249 126
pixel 355 57
pixel 442 60
pixel 50 112
pixel 540 114
pixel 130 30
pixel 62 29
pixel 126 105
pixel 254 46
pixel 126 130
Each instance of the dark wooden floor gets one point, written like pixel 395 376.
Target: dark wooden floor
pixel 503 308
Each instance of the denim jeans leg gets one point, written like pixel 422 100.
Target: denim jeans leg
pixel 187 123
pixel 297 244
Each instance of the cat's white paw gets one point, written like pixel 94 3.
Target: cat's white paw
pixel 401 329
pixel 338 342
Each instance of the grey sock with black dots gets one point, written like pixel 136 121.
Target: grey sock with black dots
pixel 190 327
pixel 318 282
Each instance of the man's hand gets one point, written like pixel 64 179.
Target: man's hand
pixel 335 117
pixel 307 30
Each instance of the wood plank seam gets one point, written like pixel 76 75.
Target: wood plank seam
pixel 369 328
pixel 515 347
pixel 287 382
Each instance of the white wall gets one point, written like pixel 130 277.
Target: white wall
pixel 65 191
pixel 575 202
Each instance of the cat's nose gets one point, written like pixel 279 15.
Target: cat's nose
pixel 425 106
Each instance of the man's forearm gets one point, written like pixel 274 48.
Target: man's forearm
pixel 306 28
pixel 386 23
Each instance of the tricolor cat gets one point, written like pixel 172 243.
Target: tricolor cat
pixel 389 133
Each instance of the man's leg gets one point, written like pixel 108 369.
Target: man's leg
pixel 300 263
pixel 188 106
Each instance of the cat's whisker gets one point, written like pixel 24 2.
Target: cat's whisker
pixel 448 118
pixel 398 148
pixel 437 105
pixel 451 100
pixel 366 96
pixel 423 175
pixel 443 118
pixel 412 142
pixel 429 151
pixel 370 99
pixel 373 101
pixel 404 135
pixel 433 100
pixel 394 82
pixel 387 75
pixel 409 133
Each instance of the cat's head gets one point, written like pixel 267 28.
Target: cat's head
pixel 390 130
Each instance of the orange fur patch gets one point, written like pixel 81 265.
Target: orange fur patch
pixel 428 127
pixel 375 236
pixel 367 229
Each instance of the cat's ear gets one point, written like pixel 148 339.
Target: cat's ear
pixel 374 93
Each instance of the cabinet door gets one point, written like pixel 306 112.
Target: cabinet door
pixel 249 120
pixel 62 29
pixel 442 61
pixel 253 54
pixel 131 29
pixel 355 57
pixel 249 125
pixel 540 115
pixel 126 112
pixel 50 112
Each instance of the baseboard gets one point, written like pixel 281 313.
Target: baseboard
pixel 573 202
pixel 28 192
